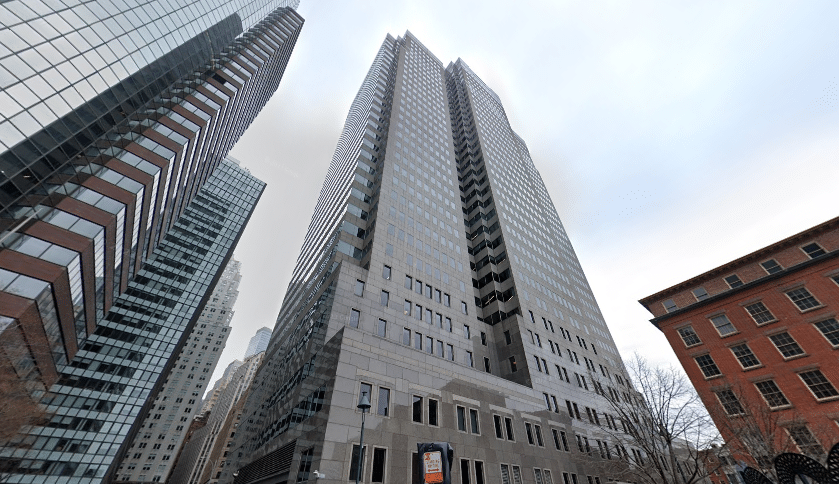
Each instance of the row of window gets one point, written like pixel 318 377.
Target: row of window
pixel 771 266
pixel 815 380
pixel 761 315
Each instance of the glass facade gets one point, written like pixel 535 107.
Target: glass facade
pixel 93 408
pixel 115 118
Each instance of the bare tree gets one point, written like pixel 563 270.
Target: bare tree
pixel 756 433
pixel 662 432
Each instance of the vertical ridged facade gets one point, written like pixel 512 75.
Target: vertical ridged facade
pixel 113 119
pixel 437 278
pixel 179 399
pixel 93 408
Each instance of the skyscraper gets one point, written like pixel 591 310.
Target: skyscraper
pixel 259 342
pixel 93 408
pixel 179 399
pixel 114 121
pixel 437 279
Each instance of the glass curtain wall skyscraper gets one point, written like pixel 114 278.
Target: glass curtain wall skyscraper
pixel 114 116
pixel 437 279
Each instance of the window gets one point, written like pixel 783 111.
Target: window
pixel 389 249
pixel 383 407
pixel 803 299
pixel 355 317
pixel 354 461
pixel 689 336
pixel 379 458
pixel 418 341
pixel 786 345
pixel 733 281
pixel 473 421
pixel 418 312
pixel 417 409
pixel 447 301
pixel 499 432
pixel 818 384
pixel 483 338
pixel 561 441
pixel 409 282
pixel 437 295
pixel 359 288
pixel 486 365
pixel 830 330
pixel 479 472
pixel 440 349
pixel 707 365
pixel 813 250
pixel 772 394
pixel 505 474
pixel 513 368
pixel 418 287
pixel 464 472
pixel 538 431
pixel 428 291
pixel 760 313
pixel 729 402
pixel 771 266
pixel 461 418
pixel 463 308
pixel 529 430
pixel 386 272
pixel 429 345
pixel 450 352
pixel 669 305
pixel 723 325
pixel 466 333
pixel 432 412
pixel 508 427
pixel 381 328
pixel 385 298
pixel 745 356
pixel 805 440
pixel 406 336
pixel 700 293
pixel 468 359
pixel 429 316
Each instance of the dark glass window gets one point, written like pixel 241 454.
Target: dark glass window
pixel 384 402
pixel 760 313
pixel 379 458
pixel 803 299
pixel 499 433
pixel 830 329
pixel 745 356
pixel 473 421
pixel 354 461
pixel 432 412
pixel 461 419
pixel 813 250
pixel 417 409
pixel 786 345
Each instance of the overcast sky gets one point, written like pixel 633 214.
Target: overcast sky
pixel 672 136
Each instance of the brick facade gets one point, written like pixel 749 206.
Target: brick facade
pixel 764 335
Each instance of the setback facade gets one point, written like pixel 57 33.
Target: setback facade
pixel 758 338
pixel 436 278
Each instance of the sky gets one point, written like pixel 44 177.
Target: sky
pixel 673 137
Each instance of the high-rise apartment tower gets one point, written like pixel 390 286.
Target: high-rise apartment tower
pixel 437 278
pixel 113 119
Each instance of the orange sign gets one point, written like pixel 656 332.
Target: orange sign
pixel 433 465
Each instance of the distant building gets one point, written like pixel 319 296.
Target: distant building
pixel 180 398
pixel 218 386
pixel 259 342
pixel 757 337
pixel 203 455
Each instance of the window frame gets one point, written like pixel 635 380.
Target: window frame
pixel 726 324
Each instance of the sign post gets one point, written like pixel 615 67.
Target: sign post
pixel 435 462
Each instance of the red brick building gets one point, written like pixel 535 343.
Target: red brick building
pixel 758 337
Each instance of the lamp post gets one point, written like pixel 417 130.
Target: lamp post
pixel 364 405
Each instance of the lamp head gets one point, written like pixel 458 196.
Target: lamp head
pixel 364 402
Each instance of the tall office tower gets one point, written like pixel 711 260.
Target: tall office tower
pixel 436 278
pixel 204 455
pixel 179 399
pixel 112 120
pixel 259 342
pixel 212 396
pixel 94 407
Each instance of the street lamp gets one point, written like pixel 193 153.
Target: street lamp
pixel 364 405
